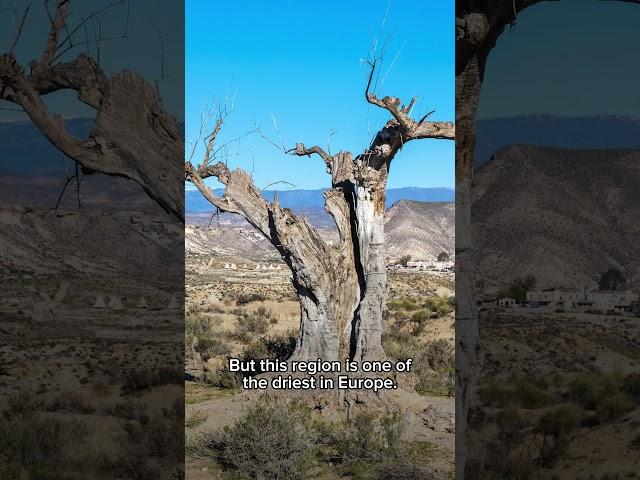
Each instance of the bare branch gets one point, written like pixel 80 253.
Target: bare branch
pixel 18 34
pixel 438 130
pixel 210 141
pixel 300 150
pixel 57 24
pixel 278 183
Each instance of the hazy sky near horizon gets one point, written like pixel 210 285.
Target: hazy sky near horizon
pixel 298 65
pixel 566 58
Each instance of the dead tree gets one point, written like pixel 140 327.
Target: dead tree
pixel 341 287
pixel 133 136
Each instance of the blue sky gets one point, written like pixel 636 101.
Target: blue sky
pixel 568 58
pixel 300 63
pixel 139 50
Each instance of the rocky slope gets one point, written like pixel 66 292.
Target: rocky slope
pixel 564 216
pixel 421 230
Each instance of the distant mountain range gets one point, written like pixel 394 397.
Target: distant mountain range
pixel 25 151
pixel 309 200
pixel 593 132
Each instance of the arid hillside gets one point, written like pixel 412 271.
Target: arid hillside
pixel 564 216
pixel 421 230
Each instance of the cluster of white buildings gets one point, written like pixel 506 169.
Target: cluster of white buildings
pixel 259 266
pixel 622 301
pixel 424 265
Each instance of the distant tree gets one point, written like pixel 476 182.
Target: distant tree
pixel 612 279
pixel 443 257
pixel 404 260
pixel 519 288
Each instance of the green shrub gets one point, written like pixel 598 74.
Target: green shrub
pixel 560 420
pixel 609 395
pixel 273 347
pixel 509 418
pixel 245 298
pixel 222 379
pixel 269 442
pixel 524 391
pixel 249 325
pixel 407 304
pixel 138 381
pixel 613 406
pixel 440 305
pixel 152 449
pixel 368 438
pixel 210 346
pixel 196 419
pixel 35 442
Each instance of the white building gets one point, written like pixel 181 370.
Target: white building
pixel 602 300
pixel 506 302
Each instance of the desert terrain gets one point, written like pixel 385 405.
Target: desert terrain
pixel 240 303
pixel 91 340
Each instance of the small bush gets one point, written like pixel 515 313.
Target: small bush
pixel 138 381
pixel 246 298
pixel 440 305
pixel 560 420
pixel 407 304
pixel 153 449
pixel 222 379
pixel 131 411
pixel 400 345
pixel 521 390
pixel 608 395
pixel 70 402
pixel 250 325
pixel 210 346
pixel 274 347
pixel 32 441
pixel 368 438
pixel 613 406
pixel 269 442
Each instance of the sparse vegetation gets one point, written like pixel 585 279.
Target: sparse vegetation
pixel 36 442
pixel 521 390
pixel 435 369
